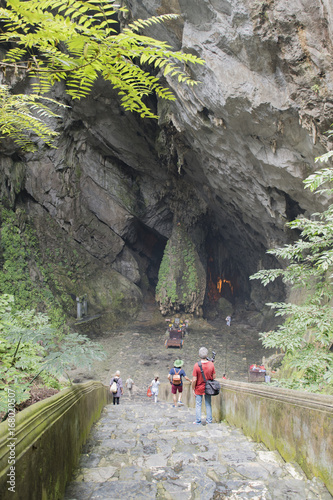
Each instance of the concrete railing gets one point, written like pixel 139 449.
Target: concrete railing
pixel 297 424
pixel 41 446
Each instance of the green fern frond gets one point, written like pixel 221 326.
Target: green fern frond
pixel 19 117
pixel 76 41
pixel 143 23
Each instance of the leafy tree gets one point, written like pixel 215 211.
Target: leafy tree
pixel 78 41
pixel 306 335
pixel 30 349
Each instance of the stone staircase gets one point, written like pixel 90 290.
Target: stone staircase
pixel 141 450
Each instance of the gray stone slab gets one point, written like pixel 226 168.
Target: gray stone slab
pixel 237 456
pixel 252 471
pixel 79 491
pixel 148 457
pixel 97 474
pixel 89 460
pixel 117 445
pixel 125 490
pixel 131 473
pixel 289 489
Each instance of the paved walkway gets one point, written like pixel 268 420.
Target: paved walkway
pixel 141 450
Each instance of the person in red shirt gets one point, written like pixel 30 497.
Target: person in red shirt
pixel 198 385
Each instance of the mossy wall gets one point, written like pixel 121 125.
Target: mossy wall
pixel 181 279
pixel 299 425
pixel 48 439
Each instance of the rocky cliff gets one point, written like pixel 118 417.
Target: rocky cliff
pixel 226 160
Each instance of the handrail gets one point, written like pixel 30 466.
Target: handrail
pixel 28 420
pixel 305 399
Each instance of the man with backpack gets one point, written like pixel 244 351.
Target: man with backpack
pixel 175 376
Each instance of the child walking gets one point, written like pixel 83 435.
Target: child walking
pixel 154 387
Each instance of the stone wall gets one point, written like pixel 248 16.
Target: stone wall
pixel 297 424
pixel 48 440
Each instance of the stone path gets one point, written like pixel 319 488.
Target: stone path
pixel 141 450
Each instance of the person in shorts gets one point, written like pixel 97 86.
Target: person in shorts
pixel 175 376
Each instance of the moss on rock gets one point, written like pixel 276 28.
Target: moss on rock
pixel 181 278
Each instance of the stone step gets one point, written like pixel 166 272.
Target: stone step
pixel 144 450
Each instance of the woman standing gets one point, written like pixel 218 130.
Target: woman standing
pixel 118 386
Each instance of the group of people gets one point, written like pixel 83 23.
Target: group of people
pixel 203 370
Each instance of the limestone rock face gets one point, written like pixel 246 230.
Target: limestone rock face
pixel 113 297
pixel 182 278
pixel 227 159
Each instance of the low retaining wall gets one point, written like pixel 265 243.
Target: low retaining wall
pixel 297 424
pixel 37 460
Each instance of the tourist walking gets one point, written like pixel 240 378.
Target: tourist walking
pixel 154 387
pixel 175 376
pixel 116 387
pixel 228 320
pixel 129 385
pixel 198 385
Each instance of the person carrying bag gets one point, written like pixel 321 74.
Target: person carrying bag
pixel 212 387
pixel 202 379
pixel 116 387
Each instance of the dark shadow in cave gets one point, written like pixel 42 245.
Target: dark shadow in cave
pixel 228 261
pixel 225 278
pixel 148 246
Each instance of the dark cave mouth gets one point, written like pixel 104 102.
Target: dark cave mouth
pixel 225 277
pixel 222 283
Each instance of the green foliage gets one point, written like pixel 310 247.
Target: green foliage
pixel 23 113
pixel 190 276
pixel 77 41
pixel 30 348
pixel 19 251
pixel 307 332
pixel 178 279
pixel 323 158
pixel 165 280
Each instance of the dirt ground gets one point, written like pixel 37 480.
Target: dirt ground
pixel 138 349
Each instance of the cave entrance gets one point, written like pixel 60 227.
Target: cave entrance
pixel 218 284
pixel 224 277
pixel 148 246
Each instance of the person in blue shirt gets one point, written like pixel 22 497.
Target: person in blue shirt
pixel 175 376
